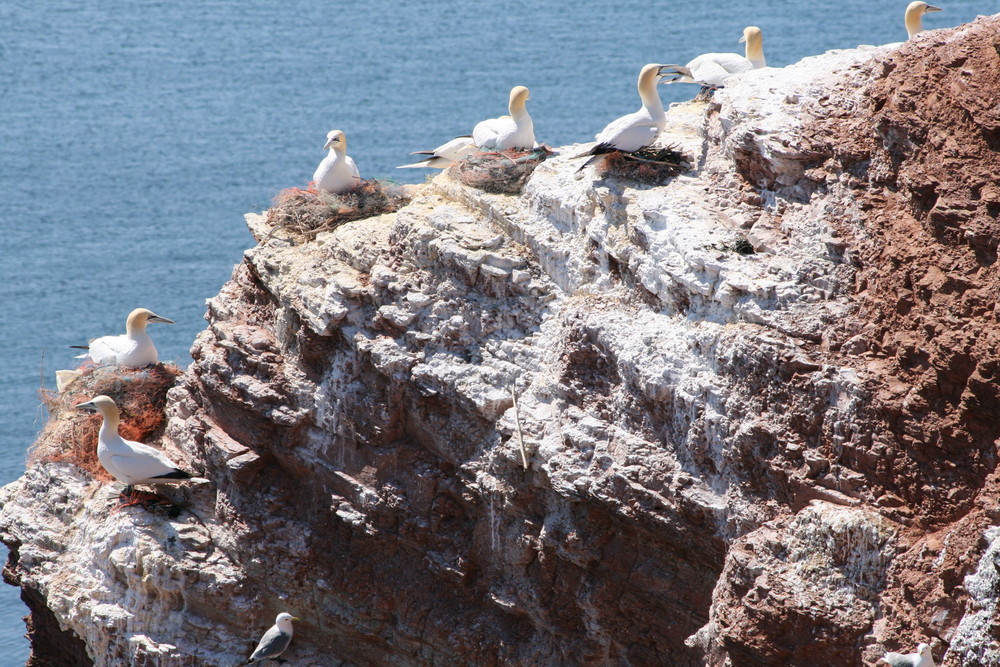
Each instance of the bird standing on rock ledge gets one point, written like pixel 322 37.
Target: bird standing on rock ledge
pixel 275 640
pixel 922 658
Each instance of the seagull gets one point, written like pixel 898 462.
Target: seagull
pixel 444 155
pixel 636 130
pixel 337 173
pixel 922 658
pixel 712 69
pixel 515 131
pixel 128 461
pixel 914 16
pixel 133 349
pixel 275 640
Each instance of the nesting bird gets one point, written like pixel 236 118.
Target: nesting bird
pixel 275 640
pixel 513 132
pixel 914 16
pixel 922 658
pixel 133 349
pixel 337 173
pixel 444 155
pixel 128 461
pixel 712 69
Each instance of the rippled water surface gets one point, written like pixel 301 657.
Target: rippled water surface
pixel 134 135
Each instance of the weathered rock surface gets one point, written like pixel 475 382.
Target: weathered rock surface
pixel 779 458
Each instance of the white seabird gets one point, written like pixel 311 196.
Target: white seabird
pixel 337 173
pixel 914 16
pixel 275 640
pixel 128 461
pixel 133 349
pixel 513 132
pixel 712 69
pixel 922 658
pixel 638 129
pixel 444 155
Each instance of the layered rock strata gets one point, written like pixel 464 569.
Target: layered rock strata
pixel 781 457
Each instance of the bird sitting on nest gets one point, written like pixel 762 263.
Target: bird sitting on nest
pixel 922 658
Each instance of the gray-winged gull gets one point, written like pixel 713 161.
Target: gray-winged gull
pixel 337 172
pixel 275 640
pixel 922 658
pixel 128 461
pixel 133 349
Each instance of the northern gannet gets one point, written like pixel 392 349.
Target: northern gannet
pixel 515 131
pixel 275 640
pixel 922 658
pixel 636 130
pixel 128 461
pixel 914 16
pixel 444 155
pixel 133 349
pixel 337 172
pixel 712 69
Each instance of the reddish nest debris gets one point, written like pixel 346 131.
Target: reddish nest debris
pixel 306 213
pixel 151 502
pixel 500 173
pixel 651 166
pixel 70 435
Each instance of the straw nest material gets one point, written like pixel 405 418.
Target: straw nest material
pixel 71 436
pixel 651 166
pixel 499 172
pixel 306 213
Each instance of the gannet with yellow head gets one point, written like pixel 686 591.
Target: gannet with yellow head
pixel 514 132
pixel 337 172
pixel 914 16
pixel 133 349
pixel 712 69
pixel 128 461
pixel 638 129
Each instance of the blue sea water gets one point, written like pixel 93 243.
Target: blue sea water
pixel 134 135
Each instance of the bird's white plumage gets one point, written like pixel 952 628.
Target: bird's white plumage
pixel 513 132
pixel 337 173
pixel 275 640
pixel 922 658
pixel 712 69
pixel 640 128
pixel 128 461
pixel 444 155
pixel 133 349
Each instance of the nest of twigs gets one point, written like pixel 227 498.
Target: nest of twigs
pixel 499 172
pixel 71 435
pixel 651 166
pixel 306 213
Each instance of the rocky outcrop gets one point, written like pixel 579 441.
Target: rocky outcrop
pixel 784 456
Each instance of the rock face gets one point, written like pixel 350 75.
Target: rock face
pixel 781 457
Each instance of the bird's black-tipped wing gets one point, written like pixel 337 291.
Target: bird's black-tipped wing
pixel 174 474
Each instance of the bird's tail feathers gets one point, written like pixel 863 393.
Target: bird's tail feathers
pixel 79 347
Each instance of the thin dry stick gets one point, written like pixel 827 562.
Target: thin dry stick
pixel 517 423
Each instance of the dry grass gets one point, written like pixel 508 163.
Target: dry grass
pixel 499 173
pixel 71 435
pixel 651 166
pixel 306 213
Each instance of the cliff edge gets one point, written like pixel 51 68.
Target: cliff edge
pixel 758 407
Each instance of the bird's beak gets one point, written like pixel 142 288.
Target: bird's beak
pixel 87 407
pixel 329 144
pixel 931 8
pixel 743 39
pixel 296 618
pixel 157 318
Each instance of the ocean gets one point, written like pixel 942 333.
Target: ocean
pixel 134 135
